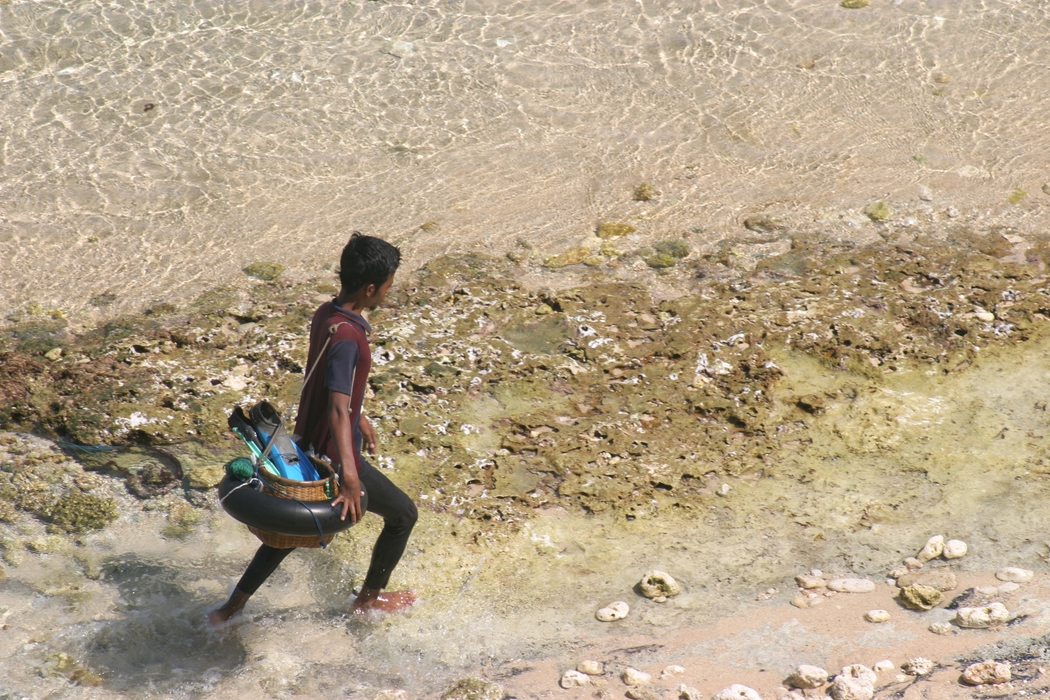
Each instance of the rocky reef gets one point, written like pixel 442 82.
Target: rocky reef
pixel 495 397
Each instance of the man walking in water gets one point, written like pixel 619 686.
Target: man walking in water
pixel 331 423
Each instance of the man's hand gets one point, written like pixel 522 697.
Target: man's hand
pixel 349 497
pixel 368 433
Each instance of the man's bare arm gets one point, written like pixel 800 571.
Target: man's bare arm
pixel 349 496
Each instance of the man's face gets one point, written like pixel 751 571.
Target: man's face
pixel 377 297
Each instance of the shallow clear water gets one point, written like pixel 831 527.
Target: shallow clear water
pixel 152 149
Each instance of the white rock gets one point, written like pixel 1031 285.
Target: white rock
pixel 941 628
pixel 982 315
pixel 986 673
pixel 591 668
pixel 925 193
pixel 659 583
pixel 987 590
pixel 877 616
pixel 884 665
pixel 933 548
pixel 613 611
pixel 953 549
pixel 686 693
pixel 899 572
pixel 400 49
pixel 574 679
pixel 846 688
pixel 807 677
pixel 632 676
pixel 977 618
pixel 737 692
pixel 809 581
pixel 913 564
pixel 859 672
pixel 816 572
pixel 851 585
pixel 1015 575
pixel 1008 587
pixel 918 666
pixel 672 670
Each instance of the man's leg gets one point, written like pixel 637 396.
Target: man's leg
pixel 264 563
pixel 399 517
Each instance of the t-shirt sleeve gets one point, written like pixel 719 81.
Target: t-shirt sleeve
pixel 339 367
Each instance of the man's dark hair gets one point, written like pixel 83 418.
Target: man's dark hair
pixel 367 260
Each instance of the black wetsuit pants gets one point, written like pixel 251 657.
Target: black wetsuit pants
pixel 385 500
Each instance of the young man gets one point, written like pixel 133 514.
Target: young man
pixel 331 423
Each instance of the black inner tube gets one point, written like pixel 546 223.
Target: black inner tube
pixel 284 516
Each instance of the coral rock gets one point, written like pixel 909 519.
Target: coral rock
pixel 977 618
pixel 632 676
pixel 920 597
pixel 591 668
pixel 986 673
pixel 657 583
pixel 807 677
pixel 953 549
pixel 877 616
pixel 573 679
pixel 613 611
pixel 933 548
pixel 918 666
pixel 736 692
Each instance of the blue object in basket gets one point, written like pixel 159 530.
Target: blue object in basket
pixel 300 470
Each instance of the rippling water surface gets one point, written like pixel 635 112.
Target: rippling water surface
pixel 150 149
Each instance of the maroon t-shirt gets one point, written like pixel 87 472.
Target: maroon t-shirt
pixel 343 367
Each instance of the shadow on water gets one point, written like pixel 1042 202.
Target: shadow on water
pixel 161 642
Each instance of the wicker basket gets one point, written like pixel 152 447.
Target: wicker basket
pixel 322 490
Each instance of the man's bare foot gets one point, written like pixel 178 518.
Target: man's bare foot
pixel 220 616
pixel 371 599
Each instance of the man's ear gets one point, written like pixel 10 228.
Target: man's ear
pixel 371 290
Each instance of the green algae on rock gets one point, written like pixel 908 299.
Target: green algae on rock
pixel 645 193
pixel 266 271
pixel 474 689
pixel 613 229
pixel 569 257
pixel 854 4
pixel 80 512
pixel 878 211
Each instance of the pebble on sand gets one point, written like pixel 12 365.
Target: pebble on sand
pixel 913 563
pixel 574 679
pixel 807 677
pixel 613 611
pixel 1015 575
pixel 877 616
pixel 954 549
pixel 920 597
pixel 658 583
pixel 737 692
pixel 918 666
pixel 941 628
pixel 933 548
pixel 632 676
pixel 986 673
pixel 672 670
pixel 851 585
pixel 979 618
pixel 591 668
pixel 884 665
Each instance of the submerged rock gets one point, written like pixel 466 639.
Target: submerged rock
pixel 1014 574
pixel 266 271
pixel 474 689
pixel 569 257
pixel 612 229
pixel 645 192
